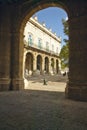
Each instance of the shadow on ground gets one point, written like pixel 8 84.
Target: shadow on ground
pixel 41 110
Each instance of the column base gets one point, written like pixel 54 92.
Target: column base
pixel 76 91
pixel 17 84
pixel 5 84
pixel 36 72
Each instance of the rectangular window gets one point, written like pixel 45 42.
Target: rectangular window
pixel 57 50
pixel 47 46
pixel 40 43
pixel 52 47
pixel 30 40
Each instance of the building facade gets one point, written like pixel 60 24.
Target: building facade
pixel 41 49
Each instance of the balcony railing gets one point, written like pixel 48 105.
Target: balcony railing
pixel 41 48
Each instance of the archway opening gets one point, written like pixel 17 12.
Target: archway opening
pixel 28 64
pixel 46 65
pixel 41 62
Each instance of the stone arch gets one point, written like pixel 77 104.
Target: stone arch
pixel 77 12
pixel 29 64
pixel 11 40
pixel 28 12
pixel 39 6
pixel 46 64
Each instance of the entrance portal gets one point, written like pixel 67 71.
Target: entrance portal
pixel 29 64
pixel 14 16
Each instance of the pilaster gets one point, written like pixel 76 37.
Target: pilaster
pixel 43 64
pixel 5 48
pixel 17 84
pixel 5 84
pixel 77 85
pixel 17 81
pixel 34 63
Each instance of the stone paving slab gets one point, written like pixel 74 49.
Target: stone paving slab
pixel 41 110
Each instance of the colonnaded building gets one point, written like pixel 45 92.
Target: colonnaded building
pixel 41 49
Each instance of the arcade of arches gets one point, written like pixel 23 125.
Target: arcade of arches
pixel 13 17
pixel 41 49
pixel 41 62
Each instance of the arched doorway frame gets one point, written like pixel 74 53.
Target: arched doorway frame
pixel 39 63
pixel 46 64
pixel 24 60
pixel 34 8
pixel 11 34
pixel 37 7
pixel 29 57
pixel 40 6
pixel 28 13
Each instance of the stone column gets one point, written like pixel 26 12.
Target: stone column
pixel 50 67
pixel 43 64
pixel 77 85
pixel 5 49
pixel 54 65
pixel 35 63
pixel 17 48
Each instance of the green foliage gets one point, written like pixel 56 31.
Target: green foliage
pixel 64 54
pixel 66 27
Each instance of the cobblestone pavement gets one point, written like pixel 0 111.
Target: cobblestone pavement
pixel 41 109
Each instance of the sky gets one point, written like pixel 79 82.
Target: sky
pixel 52 17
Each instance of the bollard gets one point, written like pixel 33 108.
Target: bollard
pixel 44 82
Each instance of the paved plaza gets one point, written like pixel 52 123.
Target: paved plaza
pixel 52 83
pixel 42 107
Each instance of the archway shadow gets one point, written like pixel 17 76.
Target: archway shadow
pixel 40 110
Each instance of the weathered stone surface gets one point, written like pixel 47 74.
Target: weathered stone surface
pixel 13 18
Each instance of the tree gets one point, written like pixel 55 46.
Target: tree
pixel 64 53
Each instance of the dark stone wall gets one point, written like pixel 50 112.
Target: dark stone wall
pixel 13 17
